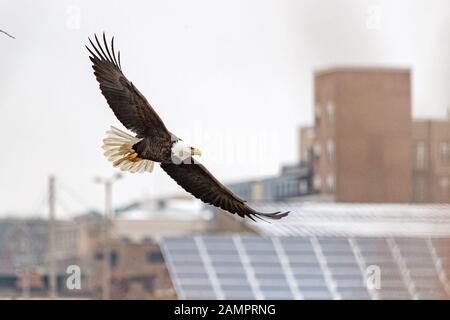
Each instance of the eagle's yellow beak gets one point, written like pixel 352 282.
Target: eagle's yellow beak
pixel 196 152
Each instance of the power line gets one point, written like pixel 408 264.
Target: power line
pixel 4 32
pixel 62 205
pixel 74 195
pixel 39 204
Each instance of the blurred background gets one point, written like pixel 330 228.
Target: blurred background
pixel 335 110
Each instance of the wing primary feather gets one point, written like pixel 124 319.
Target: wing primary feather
pixel 113 53
pixel 234 207
pixel 251 216
pixel 275 215
pixel 93 55
pixel 259 217
pixel 118 56
pixel 100 47
pixel 107 50
pixel 98 55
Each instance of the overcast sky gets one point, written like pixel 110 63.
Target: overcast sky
pixel 233 78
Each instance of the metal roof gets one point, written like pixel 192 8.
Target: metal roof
pixel 343 219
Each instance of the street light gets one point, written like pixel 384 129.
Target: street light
pixel 108 216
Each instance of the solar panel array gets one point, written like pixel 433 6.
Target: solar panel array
pixel 254 267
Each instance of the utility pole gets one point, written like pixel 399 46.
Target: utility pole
pixel 51 239
pixel 26 277
pixel 26 261
pixel 107 222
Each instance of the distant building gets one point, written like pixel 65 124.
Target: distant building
pixel 306 143
pixel 24 257
pixel 293 181
pixel 431 161
pixel 138 271
pixel 362 132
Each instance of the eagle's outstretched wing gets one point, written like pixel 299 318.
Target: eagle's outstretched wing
pixel 128 104
pixel 198 181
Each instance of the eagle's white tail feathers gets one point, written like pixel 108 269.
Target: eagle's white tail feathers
pixel 118 145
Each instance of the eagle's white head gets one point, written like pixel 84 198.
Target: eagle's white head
pixel 182 151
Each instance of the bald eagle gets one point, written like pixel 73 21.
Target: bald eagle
pixel 153 142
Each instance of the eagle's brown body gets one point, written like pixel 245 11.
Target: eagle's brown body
pixel 155 149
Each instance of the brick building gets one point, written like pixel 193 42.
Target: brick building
pixel 431 161
pixel 138 271
pixel 306 140
pixel 362 131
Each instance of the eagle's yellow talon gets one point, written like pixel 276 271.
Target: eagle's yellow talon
pixel 134 157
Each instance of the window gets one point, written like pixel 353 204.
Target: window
pixel 419 189
pixel 98 256
pixel 317 112
pixel 330 150
pixel 113 259
pixel 155 257
pixel 317 150
pixel 147 282
pixel 278 190
pixel 294 189
pixel 290 189
pixel 420 159
pixel 330 184
pixel 305 156
pixel 444 184
pixel 303 187
pixel 330 111
pixel 445 151
pixel 317 183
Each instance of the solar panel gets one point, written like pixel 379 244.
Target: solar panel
pixel 255 267
pixel 418 257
